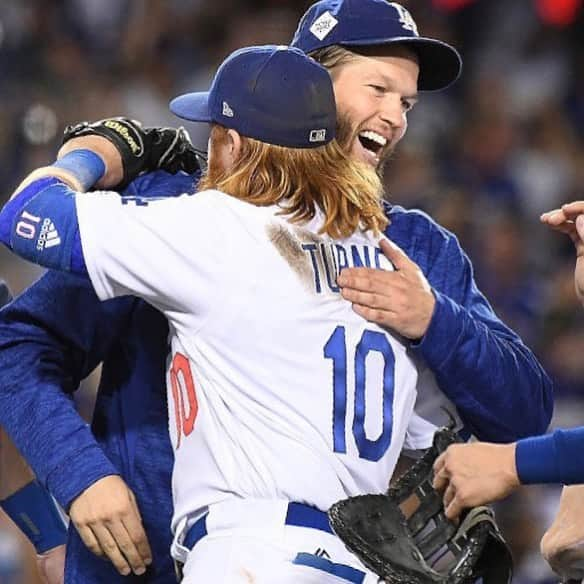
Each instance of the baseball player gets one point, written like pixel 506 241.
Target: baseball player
pixel 478 473
pixel 255 377
pixel 64 331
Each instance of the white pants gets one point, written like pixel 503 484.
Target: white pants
pixel 247 542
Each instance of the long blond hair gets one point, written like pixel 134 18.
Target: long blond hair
pixel 333 56
pixel 301 179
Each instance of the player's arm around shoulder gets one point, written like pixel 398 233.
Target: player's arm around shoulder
pixel 474 355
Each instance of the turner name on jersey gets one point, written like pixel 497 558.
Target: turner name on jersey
pixel 273 379
pixel 329 259
pixel 324 259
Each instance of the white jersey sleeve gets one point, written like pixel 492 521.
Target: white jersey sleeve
pixel 161 250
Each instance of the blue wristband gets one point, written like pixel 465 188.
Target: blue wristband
pixel 85 165
pixel 34 511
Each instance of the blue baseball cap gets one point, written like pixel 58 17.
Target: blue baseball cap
pixel 360 23
pixel 274 94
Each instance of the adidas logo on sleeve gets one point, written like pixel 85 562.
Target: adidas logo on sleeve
pixel 49 236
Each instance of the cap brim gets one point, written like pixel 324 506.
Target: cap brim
pixel 440 64
pixel 192 106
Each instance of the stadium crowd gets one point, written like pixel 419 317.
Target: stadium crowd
pixel 485 158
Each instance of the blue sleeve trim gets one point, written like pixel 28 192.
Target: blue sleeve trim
pixel 535 460
pixel 554 458
pixel 33 510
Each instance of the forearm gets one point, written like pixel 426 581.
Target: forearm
pixel 43 423
pixel 56 442
pixel 85 172
pixel 500 390
pixel 51 337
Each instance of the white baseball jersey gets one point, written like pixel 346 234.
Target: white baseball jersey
pixel 277 389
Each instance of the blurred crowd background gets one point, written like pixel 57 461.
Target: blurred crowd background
pixel 485 158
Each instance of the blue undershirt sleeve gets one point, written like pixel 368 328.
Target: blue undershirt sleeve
pixel 553 458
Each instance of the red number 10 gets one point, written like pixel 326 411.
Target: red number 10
pixel 183 393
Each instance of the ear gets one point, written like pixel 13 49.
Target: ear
pixel 234 145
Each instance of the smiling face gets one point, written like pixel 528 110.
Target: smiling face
pixel 374 91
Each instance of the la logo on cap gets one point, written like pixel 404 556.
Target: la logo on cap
pixel 323 25
pixel 405 18
pixel 317 135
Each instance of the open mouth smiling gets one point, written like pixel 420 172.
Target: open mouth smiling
pixel 372 144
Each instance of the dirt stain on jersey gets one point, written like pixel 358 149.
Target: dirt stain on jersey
pixel 248 576
pixel 289 247
pixel 306 236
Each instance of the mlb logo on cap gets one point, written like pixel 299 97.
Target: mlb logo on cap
pixel 274 94
pixel 361 23
pixel 317 136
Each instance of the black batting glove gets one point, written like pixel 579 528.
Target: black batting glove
pixel 143 149
pixel 170 149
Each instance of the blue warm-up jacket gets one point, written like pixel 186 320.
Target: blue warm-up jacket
pixel 57 331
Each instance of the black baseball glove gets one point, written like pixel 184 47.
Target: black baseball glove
pixel 405 538
pixel 143 149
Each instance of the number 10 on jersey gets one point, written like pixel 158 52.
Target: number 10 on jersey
pixel 336 349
